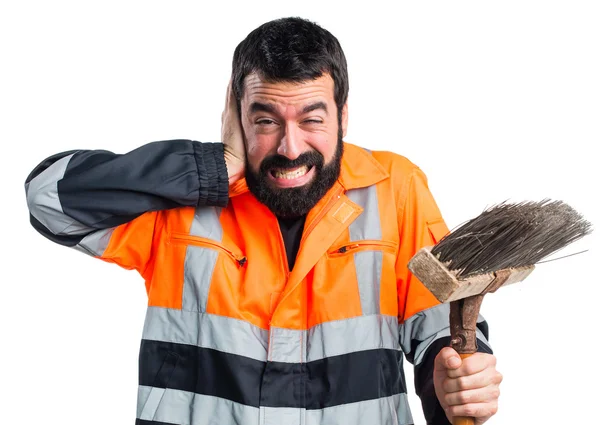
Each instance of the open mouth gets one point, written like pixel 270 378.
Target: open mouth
pixel 289 173
pixel 291 177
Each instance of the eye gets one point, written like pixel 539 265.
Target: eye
pixel 265 121
pixel 313 121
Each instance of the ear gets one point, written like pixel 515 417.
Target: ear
pixel 345 119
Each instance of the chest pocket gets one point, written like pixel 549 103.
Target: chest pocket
pixel 181 238
pixel 366 263
pixel 362 246
pixel 373 258
pixel 203 258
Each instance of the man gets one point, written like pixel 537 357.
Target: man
pixel 275 262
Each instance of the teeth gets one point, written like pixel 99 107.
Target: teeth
pixel 294 174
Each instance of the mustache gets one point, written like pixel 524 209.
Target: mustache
pixel 309 159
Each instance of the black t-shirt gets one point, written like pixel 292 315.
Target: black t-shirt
pixel 291 230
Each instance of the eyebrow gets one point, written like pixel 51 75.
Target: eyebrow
pixel 314 107
pixel 270 108
pixel 262 107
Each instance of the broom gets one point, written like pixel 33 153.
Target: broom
pixel 499 247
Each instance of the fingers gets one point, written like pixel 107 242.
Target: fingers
pixel 481 379
pixel 480 395
pixel 229 92
pixel 230 108
pixel 467 387
pixel 474 410
pixel 226 102
pixel 231 131
pixel 232 137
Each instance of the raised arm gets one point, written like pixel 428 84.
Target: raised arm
pixel 74 193
pixel 80 198
pixel 105 204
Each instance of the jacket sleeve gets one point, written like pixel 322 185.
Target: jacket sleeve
pixel 424 322
pixel 86 198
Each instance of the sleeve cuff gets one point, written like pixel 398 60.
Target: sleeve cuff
pixel 212 174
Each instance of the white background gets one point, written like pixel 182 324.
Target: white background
pixel 493 100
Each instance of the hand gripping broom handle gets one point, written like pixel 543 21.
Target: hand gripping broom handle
pixel 463 327
pixel 499 247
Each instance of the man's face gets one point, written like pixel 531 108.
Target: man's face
pixel 293 142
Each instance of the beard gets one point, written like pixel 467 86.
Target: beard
pixel 295 201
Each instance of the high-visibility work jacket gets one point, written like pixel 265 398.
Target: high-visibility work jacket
pixel 231 336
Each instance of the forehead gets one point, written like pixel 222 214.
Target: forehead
pixel 287 93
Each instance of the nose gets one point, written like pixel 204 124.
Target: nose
pixel 291 144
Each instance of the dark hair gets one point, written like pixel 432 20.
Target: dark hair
pixel 291 49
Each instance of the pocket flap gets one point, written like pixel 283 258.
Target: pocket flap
pixel 437 229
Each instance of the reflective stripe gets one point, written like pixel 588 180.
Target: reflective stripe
pixel 206 223
pixel 206 330
pixel 187 408
pixel 368 273
pixel 421 348
pixel 151 405
pixel 426 327
pixel 200 262
pixel 44 203
pixel 366 226
pixel 287 345
pixel 95 243
pixel 393 410
pixel 242 338
pixel 356 334
pixel 282 416
pixel 368 263
pixel 424 324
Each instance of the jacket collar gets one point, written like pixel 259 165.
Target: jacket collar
pixel 359 169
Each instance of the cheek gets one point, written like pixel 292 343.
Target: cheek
pixel 258 148
pixel 324 144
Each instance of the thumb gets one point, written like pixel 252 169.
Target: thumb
pixel 446 359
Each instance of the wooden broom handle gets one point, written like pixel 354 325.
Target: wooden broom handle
pixel 463 328
pixel 463 420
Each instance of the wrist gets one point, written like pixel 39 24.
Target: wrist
pixel 235 169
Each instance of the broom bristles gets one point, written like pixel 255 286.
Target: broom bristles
pixel 510 235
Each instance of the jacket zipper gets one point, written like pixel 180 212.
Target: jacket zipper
pixel 366 245
pixel 207 243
